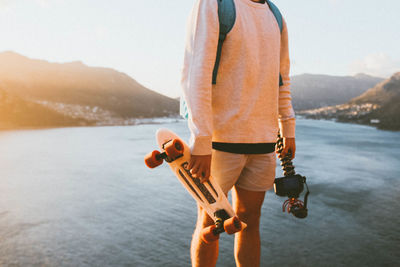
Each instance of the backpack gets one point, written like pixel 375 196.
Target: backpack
pixel 227 18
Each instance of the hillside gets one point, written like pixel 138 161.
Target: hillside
pixel 310 91
pixel 100 95
pixel 18 113
pixel 379 106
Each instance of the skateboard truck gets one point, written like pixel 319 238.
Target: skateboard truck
pixel 223 223
pixel 220 216
pixel 291 185
pixel 173 149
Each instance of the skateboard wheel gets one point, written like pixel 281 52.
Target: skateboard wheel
pixel 208 236
pixel 232 225
pixel 152 160
pixel 174 149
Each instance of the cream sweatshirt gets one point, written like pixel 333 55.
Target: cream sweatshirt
pixel 246 105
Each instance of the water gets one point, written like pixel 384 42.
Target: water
pixel 83 197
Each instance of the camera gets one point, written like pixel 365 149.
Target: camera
pixel 291 186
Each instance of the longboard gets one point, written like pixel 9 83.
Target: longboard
pixel 208 195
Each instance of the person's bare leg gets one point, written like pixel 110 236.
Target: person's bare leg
pixel 247 205
pixel 203 254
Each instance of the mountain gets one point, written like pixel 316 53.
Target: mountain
pixel 93 94
pixel 384 93
pixel 18 113
pixel 386 97
pixel 378 106
pixel 310 91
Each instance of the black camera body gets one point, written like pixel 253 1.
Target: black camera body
pixel 290 186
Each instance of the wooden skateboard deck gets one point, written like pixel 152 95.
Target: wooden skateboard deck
pixel 208 195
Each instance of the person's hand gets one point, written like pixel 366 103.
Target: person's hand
pixel 289 144
pixel 200 166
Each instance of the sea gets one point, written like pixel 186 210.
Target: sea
pixel 84 197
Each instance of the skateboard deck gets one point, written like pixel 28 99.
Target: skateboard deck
pixel 208 195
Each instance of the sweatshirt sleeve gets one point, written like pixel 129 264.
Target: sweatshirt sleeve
pixel 199 59
pixel 287 121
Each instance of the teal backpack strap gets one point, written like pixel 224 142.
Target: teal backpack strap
pixel 276 13
pixel 279 19
pixel 227 17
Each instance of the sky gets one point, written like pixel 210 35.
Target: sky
pixel 145 38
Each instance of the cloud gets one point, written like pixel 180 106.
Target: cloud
pixel 4 3
pixel 5 6
pixel 43 3
pixel 334 2
pixel 101 32
pixel 378 64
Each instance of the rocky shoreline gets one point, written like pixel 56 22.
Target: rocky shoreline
pixel 365 114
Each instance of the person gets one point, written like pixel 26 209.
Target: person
pixel 234 123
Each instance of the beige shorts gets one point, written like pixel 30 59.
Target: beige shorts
pixel 254 172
